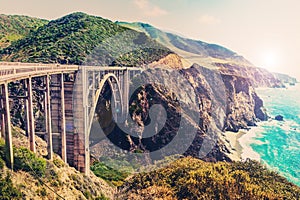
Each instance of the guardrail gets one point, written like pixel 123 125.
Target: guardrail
pixel 12 68
pixel 10 71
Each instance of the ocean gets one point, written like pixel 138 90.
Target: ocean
pixel 277 143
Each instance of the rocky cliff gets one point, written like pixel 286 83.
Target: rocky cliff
pixel 286 78
pixel 258 77
pixel 223 103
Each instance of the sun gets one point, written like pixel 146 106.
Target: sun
pixel 270 60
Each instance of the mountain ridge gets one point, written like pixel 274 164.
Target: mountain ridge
pixel 75 39
pixel 15 27
pixel 210 55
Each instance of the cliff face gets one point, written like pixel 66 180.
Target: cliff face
pixel 285 78
pixel 224 103
pixel 244 107
pixel 258 77
pixel 170 61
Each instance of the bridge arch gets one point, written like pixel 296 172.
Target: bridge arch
pixel 117 107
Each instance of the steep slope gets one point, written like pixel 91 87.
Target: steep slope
pixel 185 47
pixel 286 78
pixel 14 27
pixel 79 38
pixel 189 178
pixel 35 177
pixel 208 55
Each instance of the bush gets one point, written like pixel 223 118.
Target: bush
pixel 27 161
pixel 7 190
pixel 109 174
pixel 58 163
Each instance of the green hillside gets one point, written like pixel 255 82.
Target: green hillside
pixel 79 38
pixel 14 27
pixel 190 178
pixel 187 48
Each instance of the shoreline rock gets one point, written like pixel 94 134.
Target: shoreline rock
pixel 279 117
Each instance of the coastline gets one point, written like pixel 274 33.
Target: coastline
pixel 240 143
pixel 232 140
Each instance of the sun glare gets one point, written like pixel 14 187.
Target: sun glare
pixel 270 61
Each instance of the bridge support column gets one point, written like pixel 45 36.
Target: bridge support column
pixel 81 137
pixel 27 124
pixel 6 126
pixel 125 93
pixel 58 118
pixel 85 134
pixel 63 120
pixel 2 109
pixel 48 118
pixel 69 87
pixel 30 117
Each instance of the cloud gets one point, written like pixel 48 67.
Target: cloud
pixel 149 9
pixel 209 20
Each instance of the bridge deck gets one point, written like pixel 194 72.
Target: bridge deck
pixel 12 71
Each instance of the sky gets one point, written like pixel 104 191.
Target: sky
pixel 266 32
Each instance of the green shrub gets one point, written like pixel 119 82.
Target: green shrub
pixel 109 174
pixel 58 163
pixel 7 190
pixel 27 161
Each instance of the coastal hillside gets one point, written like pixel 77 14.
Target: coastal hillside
pixel 189 178
pixel 15 27
pixel 286 78
pixel 35 177
pixel 209 55
pixel 79 38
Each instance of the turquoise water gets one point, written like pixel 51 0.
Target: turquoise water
pixel 278 143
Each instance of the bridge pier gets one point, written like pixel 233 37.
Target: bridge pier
pixel 69 117
pixel 58 115
pixel 125 93
pixel 30 117
pixel 81 141
pixel 26 102
pixel 63 120
pixel 6 125
pixel 2 109
pixel 48 119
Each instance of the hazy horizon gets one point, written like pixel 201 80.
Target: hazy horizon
pixel 264 32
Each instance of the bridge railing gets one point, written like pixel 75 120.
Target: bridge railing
pixel 13 68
